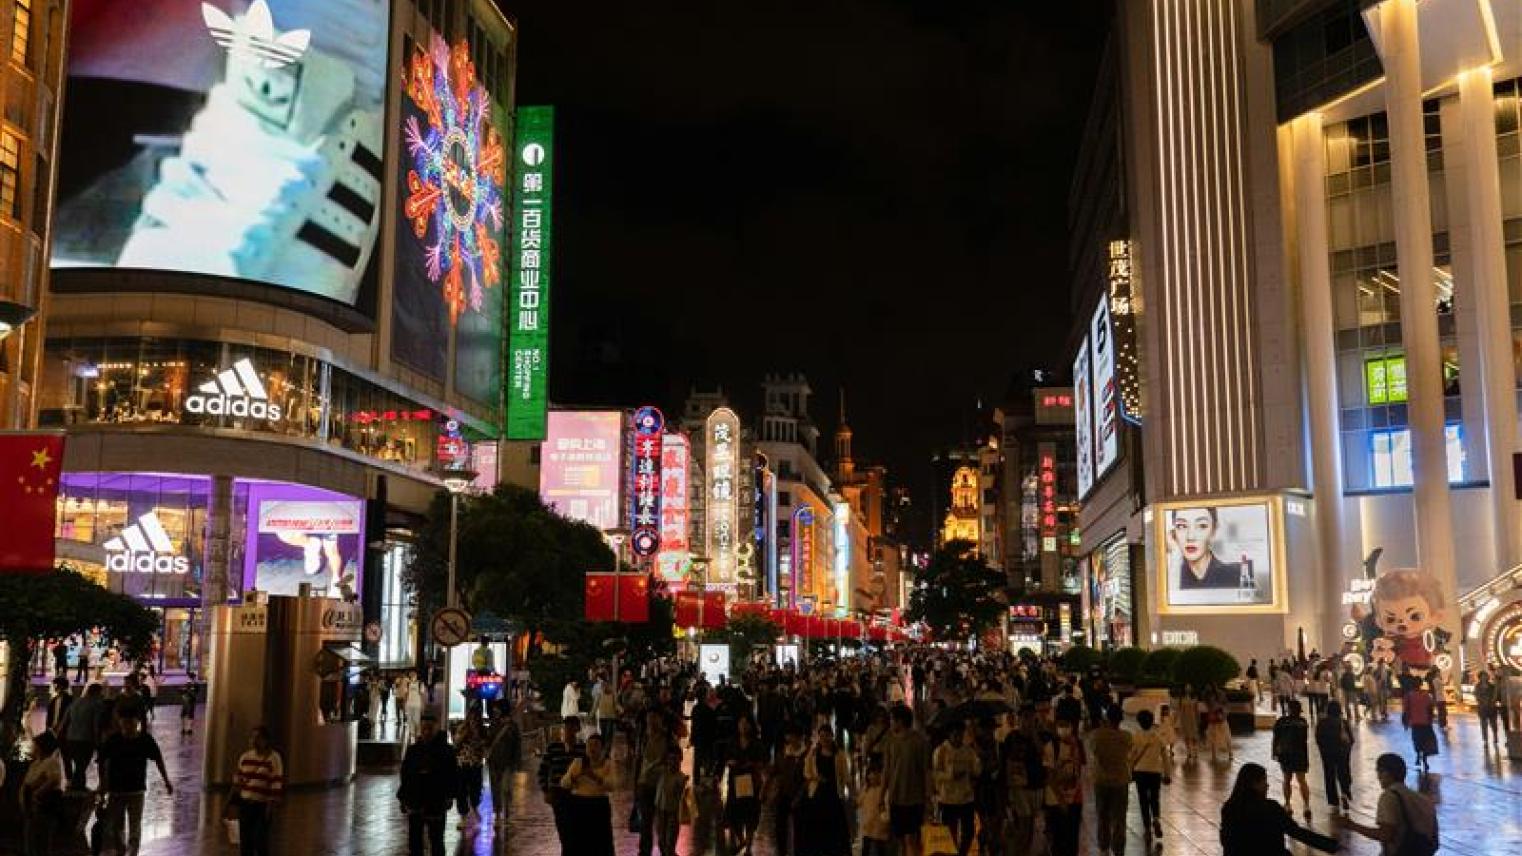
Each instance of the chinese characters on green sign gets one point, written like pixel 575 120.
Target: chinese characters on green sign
pixel 529 312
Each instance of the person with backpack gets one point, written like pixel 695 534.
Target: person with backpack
pixel 1064 761
pixel 1405 821
pixel 1334 739
pixel 1025 775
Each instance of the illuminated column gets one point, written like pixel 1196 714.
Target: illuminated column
pixel 1497 373
pixel 1401 56
pixel 215 566
pixel 1321 356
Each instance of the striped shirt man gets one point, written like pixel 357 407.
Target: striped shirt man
pixel 261 776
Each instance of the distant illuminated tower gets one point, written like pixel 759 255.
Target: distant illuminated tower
pixel 845 467
pixel 962 520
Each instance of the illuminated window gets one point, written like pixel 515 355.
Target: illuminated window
pixel 21 32
pixel 1391 451
pixel 10 174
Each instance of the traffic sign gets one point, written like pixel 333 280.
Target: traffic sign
pixel 450 626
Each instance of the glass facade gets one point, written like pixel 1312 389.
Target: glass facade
pixel 103 381
pixel 1366 293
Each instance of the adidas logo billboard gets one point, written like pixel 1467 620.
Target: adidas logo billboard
pixel 144 548
pixel 234 392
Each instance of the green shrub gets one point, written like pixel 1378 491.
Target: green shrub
pixel 1205 665
pixel 1157 668
pixel 1080 658
pixel 1126 664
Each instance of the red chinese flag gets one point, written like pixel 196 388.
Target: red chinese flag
pixel 793 624
pixel 689 607
pixel 30 466
pixel 778 617
pixel 599 597
pixel 633 598
pixel 713 610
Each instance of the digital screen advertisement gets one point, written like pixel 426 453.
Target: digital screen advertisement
pixel 1103 396
pixel 1083 419
pixel 1220 555
pixel 234 139
pixel 301 535
pixel 451 242
pixel 579 466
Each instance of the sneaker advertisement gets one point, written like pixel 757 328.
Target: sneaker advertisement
pixel 451 241
pixel 229 138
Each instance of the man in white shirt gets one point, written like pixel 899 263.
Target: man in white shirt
pixel 1404 818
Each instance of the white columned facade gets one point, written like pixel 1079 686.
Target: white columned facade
pixel 1316 315
pixel 1497 375
pixel 1401 56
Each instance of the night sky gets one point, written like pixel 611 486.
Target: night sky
pixel 872 193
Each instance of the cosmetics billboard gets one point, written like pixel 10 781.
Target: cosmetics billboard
pixel 233 139
pixel 301 535
pixel 452 176
pixel 1220 555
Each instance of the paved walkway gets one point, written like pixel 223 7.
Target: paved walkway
pixel 1480 805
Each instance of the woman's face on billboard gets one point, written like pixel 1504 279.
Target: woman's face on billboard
pixel 1192 531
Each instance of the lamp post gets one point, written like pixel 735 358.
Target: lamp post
pixel 456 482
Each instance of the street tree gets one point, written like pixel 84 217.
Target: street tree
pixel 41 606
pixel 957 595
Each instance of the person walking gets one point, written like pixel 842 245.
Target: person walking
pixel 1334 740
pixel 1064 761
pixel 1405 822
pixel 906 768
pixel 502 762
pixel 1348 683
pixel 957 766
pixel 1375 704
pixel 1111 749
pixel 80 727
pixel 651 767
pixel 1149 769
pixel 1416 716
pixel 988 790
pixel 784 788
pixel 189 695
pixel 429 782
pixel 570 699
pixel 671 806
pixel 588 783
pixel 1254 825
pixel 124 758
pixel 1189 721
pixel 470 758
pixel 260 787
pixel 557 760
pixel 411 707
pixel 1291 748
pixel 1217 732
pixel 605 708
pixel 1025 773
pixel 823 828
pixel 1487 705
pixel 745 767
pixel 58 703
pixel 1284 689
pixel 42 797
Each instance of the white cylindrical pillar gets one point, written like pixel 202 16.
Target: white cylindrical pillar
pixel 1497 374
pixel 1316 317
pixel 1401 55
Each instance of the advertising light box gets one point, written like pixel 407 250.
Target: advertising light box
pixel 303 535
pixel 579 466
pixel 1103 397
pixel 1220 556
pixel 1083 419
pixel 528 313
pixel 450 248
pixel 234 139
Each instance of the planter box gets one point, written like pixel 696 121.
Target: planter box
pixel 1149 698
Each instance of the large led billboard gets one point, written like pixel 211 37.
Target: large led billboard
pixel 528 313
pixel 234 139
pixel 1223 555
pixel 1083 419
pixel 1102 396
pixel 450 248
pixel 580 472
pixel 303 535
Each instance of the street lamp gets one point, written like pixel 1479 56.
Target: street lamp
pixel 456 482
pixel 13 315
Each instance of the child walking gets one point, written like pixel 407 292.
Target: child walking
pixel 872 813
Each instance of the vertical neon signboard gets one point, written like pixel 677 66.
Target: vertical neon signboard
pixel 723 444
pixel 645 538
pixel 674 541
pixel 528 314
pixel 842 557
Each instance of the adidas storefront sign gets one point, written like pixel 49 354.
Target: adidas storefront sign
pixel 144 548
pixel 234 392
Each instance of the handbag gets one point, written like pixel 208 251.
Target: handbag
pixel 936 840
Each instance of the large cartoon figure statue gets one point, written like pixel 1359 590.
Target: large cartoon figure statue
pixel 1403 622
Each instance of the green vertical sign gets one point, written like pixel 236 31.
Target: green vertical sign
pixel 528 312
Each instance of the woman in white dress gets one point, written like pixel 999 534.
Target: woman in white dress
pixel 412 704
pixel 570 700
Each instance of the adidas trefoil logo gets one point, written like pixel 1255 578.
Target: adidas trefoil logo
pixel 252 35
pixel 144 548
pixel 234 392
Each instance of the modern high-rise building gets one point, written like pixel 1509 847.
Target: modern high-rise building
pixel 1306 229
pixel 31 84
pixel 280 269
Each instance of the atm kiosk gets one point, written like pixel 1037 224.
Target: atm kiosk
pixel 292 664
